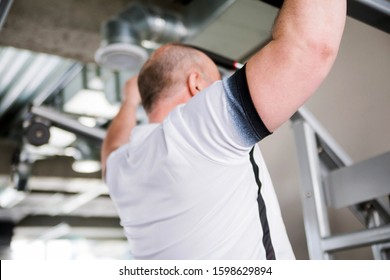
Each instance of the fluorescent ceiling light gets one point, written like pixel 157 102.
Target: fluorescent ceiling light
pixel 91 103
pixel 96 83
pixel 44 151
pixel 9 197
pixel 86 166
pixel 56 232
pixel 60 137
pixel 80 200
pixel 150 44
pixel 88 121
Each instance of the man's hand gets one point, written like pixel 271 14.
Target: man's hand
pixel 121 126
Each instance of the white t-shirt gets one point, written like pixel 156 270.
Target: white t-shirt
pixel 188 188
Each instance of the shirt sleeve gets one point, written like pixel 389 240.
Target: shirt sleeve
pixel 220 123
pixel 242 111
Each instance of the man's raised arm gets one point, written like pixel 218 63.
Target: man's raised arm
pixel 286 72
pixel 121 126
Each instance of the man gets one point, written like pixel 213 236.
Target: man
pixel 192 184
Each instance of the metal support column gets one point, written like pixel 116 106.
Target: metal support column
pixel 329 178
pixel 314 207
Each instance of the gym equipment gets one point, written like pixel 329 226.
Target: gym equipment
pixel 329 178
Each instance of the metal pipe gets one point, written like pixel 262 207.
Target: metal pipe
pixel 63 121
pixel 150 25
pixel 5 6
pixel 59 84
pixel 305 114
pixel 220 60
pixel 357 239
pixel 314 207
pixel 380 5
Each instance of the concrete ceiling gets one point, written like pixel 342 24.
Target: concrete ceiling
pixel 65 28
pixel 72 28
pixel 352 104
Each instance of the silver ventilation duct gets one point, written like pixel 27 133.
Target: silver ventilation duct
pixel 146 25
pixel 119 49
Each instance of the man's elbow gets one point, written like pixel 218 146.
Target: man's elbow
pixel 321 51
pixel 313 52
pixel 326 52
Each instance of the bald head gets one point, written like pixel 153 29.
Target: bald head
pixel 167 72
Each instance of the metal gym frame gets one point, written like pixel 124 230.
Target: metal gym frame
pixel 329 178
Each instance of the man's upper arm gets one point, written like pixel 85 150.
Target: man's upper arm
pixel 281 78
pixel 285 73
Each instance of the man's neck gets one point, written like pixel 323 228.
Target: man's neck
pixel 165 106
pixel 156 117
pixel 161 112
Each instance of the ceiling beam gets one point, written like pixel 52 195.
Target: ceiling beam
pixel 72 221
pixel 372 12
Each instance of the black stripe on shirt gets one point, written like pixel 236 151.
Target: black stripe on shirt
pixel 267 242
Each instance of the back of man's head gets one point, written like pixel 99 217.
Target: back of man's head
pixel 166 69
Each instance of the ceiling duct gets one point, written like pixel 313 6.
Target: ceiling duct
pixel 146 25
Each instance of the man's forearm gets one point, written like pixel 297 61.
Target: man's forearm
pixel 121 126
pixel 119 131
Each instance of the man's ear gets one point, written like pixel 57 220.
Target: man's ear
pixel 193 83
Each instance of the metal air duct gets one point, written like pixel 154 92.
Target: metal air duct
pixel 143 26
pixel 124 35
